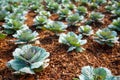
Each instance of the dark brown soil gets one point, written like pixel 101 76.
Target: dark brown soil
pixel 63 65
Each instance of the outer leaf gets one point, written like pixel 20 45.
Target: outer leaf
pixel 17 64
pixel 62 38
pixel 27 70
pixel 82 42
pixel 82 77
pixel 100 73
pixel 88 73
pixel 79 49
pixel 36 65
pixel 71 49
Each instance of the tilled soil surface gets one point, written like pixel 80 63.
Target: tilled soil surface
pixel 63 65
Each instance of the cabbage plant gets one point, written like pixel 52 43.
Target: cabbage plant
pixel 39 9
pixel 34 5
pixel 116 10
pixel 10 7
pixel 63 13
pixel 29 59
pixel 13 25
pixel 94 5
pixel 106 36
pixel 115 25
pixel 96 16
pixel 110 7
pixel 91 73
pixel 81 10
pixel 17 15
pixel 56 26
pixel 45 13
pixel 71 39
pixel 70 6
pixel 25 36
pixel 53 6
pixel 73 19
pixel 85 30
pixel 40 21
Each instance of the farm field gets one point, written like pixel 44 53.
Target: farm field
pixel 59 40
